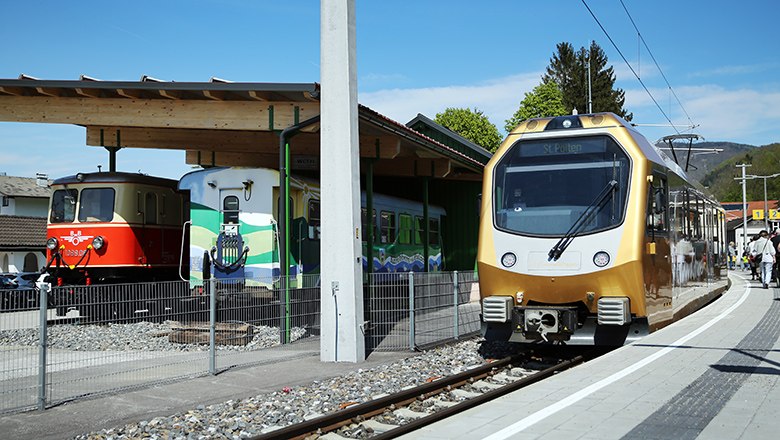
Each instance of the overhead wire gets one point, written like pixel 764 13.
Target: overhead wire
pixel 630 67
pixel 690 122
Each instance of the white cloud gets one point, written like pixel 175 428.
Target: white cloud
pixel 736 115
pixel 498 98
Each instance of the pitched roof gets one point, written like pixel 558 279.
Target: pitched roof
pixel 23 187
pixel 18 232
pixel 734 209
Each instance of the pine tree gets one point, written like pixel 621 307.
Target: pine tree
pixel 569 70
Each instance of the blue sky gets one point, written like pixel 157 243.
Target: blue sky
pixel 720 58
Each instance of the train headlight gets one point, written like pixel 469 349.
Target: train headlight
pixel 509 259
pixel 51 243
pixel 98 242
pixel 601 259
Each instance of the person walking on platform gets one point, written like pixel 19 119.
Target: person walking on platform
pixel 764 256
pixel 754 274
pixel 732 256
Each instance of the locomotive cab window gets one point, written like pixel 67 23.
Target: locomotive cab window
pixel 97 205
pixel 63 206
pixel 543 187
pixel 230 210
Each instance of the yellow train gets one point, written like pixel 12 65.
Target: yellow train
pixel 589 234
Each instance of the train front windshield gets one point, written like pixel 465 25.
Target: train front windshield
pixel 542 187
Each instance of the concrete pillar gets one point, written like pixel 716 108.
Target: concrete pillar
pixel 342 337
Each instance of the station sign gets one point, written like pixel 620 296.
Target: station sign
pixel 758 214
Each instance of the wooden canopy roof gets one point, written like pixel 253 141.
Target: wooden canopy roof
pixel 222 123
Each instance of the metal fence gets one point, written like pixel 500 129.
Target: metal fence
pixel 407 311
pixel 69 342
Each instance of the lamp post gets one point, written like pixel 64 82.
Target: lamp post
pixel 766 202
pixel 744 204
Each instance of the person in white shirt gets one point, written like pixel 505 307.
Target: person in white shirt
pixel 765 251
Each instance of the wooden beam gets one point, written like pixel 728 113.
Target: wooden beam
pixel 409 167
pixel 229 141
pixel 380 147
pixel 215 95
pixel 211 140
pixel 170 94
pixel 155 113
pixel 15 91
pixel 88 93
pixel 254 95
pixel 129 93
pixel 48 91
pixel 226 159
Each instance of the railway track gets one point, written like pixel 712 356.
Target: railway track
pixel 408 410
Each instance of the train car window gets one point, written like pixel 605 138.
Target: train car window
pixel 364 225
pixel 230 210
pixel 63 205
pixel 404 228
pixel 150 208
pixel 97 205
pixel 433 231
pixel 314 219
pixel 419 232
pixel 387 227
pixel 162 206
pixel 541 187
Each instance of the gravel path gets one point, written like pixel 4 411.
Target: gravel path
pixel 236 419
pixel 144 336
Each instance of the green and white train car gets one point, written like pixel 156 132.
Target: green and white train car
pixel 243 202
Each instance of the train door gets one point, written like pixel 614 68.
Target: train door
pixel 229 253
pixel 657 261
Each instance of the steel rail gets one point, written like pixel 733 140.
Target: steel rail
pixel 363 411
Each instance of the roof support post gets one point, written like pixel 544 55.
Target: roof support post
pixel 341 300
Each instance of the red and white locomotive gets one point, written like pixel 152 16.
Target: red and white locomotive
pixel 112 227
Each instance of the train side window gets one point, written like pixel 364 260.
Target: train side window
pixel 404 228
pixel 419 232
pixel 63 206
pixel 364 225
pixel 433 231
pixel 230 210
pixel 97 205
pixel 387 227
pixel 314 219
pixel 162 205
pixel 150 208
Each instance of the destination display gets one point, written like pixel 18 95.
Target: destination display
pixel 559 147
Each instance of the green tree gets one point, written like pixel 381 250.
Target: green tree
pixel 569 70
pixel 543 101
pixel 472 125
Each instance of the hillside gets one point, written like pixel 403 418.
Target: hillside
pixel 722 169
pixel 704 164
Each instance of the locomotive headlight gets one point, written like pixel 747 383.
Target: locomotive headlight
pixel 98 242
pixel 509 259
pixel 51 243
pixel 601 259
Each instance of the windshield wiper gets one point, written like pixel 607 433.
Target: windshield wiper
pixel 582 220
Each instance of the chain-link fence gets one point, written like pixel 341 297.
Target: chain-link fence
pixel 68 342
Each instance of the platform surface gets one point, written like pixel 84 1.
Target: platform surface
pixel 712 375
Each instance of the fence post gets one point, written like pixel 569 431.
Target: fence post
pixel 411 311
pixel 44 289
pixel 212 325
pixel 455 304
